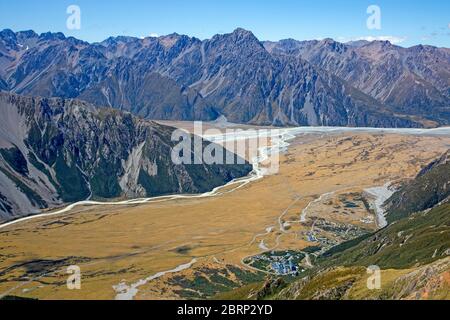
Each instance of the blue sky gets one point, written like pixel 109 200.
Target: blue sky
pixel 406 22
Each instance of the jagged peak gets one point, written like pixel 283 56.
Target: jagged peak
pixel 333 45
pixel 116 39
pixel 240 39
pixel 357 43
pixel 172 35
pixel 241 33
pixel 289 40
pixel 170 40
pixel 8 35
pixel 328 41
pixel 8 32
pixel 424 47
pixel 381 44
pixel 52 36
pixel 28 34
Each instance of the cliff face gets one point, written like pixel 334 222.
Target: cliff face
pixel 55 151
pixel 181 78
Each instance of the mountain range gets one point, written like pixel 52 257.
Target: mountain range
pixel 56 151
pixel 285 83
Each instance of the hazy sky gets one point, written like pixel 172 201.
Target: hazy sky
pixel 404 22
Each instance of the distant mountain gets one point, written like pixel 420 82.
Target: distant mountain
pixel 236 75
pixel 56 151
pixel 413 81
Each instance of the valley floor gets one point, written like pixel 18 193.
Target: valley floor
pixel 196 248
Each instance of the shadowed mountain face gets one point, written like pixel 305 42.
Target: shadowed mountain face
pixel 286 83
pixel 55 151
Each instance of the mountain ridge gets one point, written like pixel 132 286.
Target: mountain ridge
pixel 57 151
pixel 176 77
pixel 413 80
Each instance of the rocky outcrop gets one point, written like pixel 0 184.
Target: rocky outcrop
pixel 270 288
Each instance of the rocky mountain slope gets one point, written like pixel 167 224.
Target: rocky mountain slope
pixel 415 80
pixel 418 240
pixel 181 78
pixel 55 151
pixel 428 282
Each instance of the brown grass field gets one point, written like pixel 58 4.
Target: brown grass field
pixel 114 244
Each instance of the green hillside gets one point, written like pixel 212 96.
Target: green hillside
pixel 430 187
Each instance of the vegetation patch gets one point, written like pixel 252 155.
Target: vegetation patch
pixel 72 184
pixel 104 182
pixel 420 239
pixel 182 250
pixel 16 160
pixel 208 282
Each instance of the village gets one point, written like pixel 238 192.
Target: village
pixel 281 263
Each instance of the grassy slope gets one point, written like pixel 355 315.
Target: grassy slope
pixel 412 251
pixel 400 250
pixel 406 250
pixel 420 239
pixel 428 189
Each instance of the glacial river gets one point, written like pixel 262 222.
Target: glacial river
pixel 280 142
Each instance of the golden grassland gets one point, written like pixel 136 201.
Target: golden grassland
pixel 114 244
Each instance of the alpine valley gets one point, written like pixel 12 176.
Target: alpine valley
pixel 358 207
